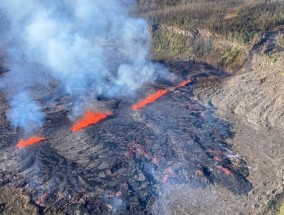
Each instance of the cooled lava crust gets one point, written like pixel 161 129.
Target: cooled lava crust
pixel 123 163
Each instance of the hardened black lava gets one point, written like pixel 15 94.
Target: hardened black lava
pixel 121 164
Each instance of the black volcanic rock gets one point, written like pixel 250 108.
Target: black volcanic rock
pixel 121 164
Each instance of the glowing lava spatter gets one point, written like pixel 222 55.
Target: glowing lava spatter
pixel 89 118
pixel 31 141
pixel 226 170
pixel 150 99
pixel 184 83
pixel 155 96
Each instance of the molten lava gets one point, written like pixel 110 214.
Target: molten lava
pixel 184 83
pixel 150 99
pixel 31 141
pixel 168 173
pixel 89 118
pixel 226 170
pixel 155 96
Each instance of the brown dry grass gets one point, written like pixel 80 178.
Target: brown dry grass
pixel 16 203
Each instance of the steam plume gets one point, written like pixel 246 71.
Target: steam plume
pixel 86 48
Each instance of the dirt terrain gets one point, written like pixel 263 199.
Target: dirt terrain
pixel 253 101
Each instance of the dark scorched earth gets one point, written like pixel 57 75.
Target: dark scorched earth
pixel 122 164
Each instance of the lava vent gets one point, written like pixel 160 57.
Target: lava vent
pixel 121 164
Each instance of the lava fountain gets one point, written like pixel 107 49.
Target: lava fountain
pixel 184 83
pixel 155 96
pixel 31 141
pixel 89 118
pixel 149 99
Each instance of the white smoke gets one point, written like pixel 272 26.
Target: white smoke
pixel 86 48
pixel 33 117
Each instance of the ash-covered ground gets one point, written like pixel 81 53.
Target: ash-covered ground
pixel 125 163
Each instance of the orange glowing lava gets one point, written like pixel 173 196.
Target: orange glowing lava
pixel 31 141
pixel 227 171
pixel 150 99
pixel 184 83
pixel 89 118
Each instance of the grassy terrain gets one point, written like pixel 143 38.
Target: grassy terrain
pixel 221 31
pixel 281 212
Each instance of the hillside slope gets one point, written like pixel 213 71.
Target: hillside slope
pixel 257 94
pixel 253 101
pixel 216 32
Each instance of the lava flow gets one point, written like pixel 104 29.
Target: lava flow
pixel 226 170
pixel 89 118
pixel 31 141
pixel 150 99
pixel 184 83
pixel 155 96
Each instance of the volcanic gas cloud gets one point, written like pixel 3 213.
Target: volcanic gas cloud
pixel 80 49
pixel 31 141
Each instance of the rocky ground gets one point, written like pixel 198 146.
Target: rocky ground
pixel 123 164
pixel 151 163
pixel 253 100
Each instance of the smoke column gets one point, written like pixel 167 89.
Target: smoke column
pixel 86 48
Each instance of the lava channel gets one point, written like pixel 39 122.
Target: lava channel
pixel 155 96
pixel 150 99
pixel 31 141
pixel 89 118
pixel 184 83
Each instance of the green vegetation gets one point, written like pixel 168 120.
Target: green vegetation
pixel 223 29
pixel 208 50
pixel 169 40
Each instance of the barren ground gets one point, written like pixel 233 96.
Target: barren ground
pixel 253 101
